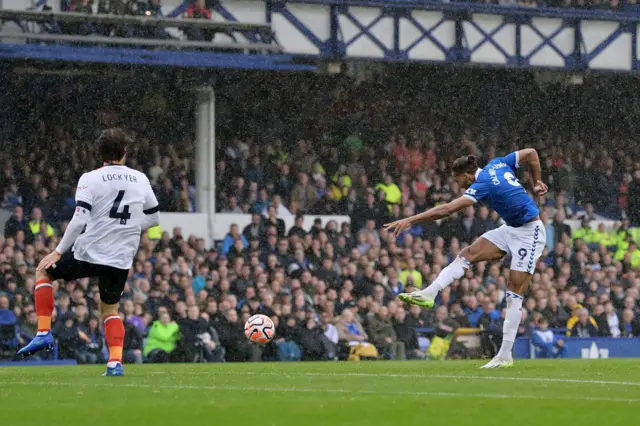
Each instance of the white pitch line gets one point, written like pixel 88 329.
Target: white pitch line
pixel 409 376
pixel 329 391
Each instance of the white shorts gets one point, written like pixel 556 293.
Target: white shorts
pixel 525 244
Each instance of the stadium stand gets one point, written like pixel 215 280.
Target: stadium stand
pixel 373 150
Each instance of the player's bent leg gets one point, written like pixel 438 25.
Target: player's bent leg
pixel 481 250
pixel 518 284
pixel 114 335
pixel 44 302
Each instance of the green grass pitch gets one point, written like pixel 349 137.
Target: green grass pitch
pixel 541 393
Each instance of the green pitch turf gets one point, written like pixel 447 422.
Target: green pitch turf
pixel 540 393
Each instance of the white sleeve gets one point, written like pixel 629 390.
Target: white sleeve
pixel 84 194
pixel 151 209
pixel 74 229
pixel 150 220
pixel 84 204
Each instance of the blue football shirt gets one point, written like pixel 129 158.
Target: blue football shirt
pixel 496 186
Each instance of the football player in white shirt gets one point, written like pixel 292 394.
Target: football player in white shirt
pixel 114 204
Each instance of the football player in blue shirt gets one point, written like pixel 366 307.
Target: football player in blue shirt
pixel 522 235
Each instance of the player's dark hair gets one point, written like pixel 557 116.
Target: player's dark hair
pixel 465 164
pixel 112 145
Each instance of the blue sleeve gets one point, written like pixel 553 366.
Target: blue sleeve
pixel 512 160
pixel 244 241
pixel 536 340
pixel 227 243
pixel 479 190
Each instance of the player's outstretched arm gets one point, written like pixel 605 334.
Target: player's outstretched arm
pixel 529 156
pixel 74 229
pixel 84 201
pixel 434 213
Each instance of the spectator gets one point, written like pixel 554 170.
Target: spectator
pixel 407 335
pixel 331 333
pixel 490 324
pixel 391 191
pixel 288 333
pixel 315 345
pixel 90 352
pixel 350 332
pixel 576 308
pixel 17 223
pixel 162 340
pixel 303 193
pixel 198 10
pixel 232 337
pixel 611 317
pixel 231 238
pixel 8 330
pixel 167 198
pixel 411 276
pixel 133 342
pixel 29 327
pixel 130 315
pixel 71 341
pixel 601 321
pixel 384 336
pixel 444 331
pixel 555 314
pixel 473 311
pixel 197 341
pixel 630 326
pixel 547 344
pixel 585 326
pixel 254 230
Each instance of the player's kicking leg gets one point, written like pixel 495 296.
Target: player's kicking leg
pixel 481 250
pixel 44 309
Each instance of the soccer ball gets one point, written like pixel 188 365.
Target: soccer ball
pixel 259 329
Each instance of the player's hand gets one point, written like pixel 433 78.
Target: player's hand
pixel 48 261
pixel 540 188
pixel 398 226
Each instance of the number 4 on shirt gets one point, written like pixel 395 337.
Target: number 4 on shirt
pixel 115 214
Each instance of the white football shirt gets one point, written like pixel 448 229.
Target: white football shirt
pixel 117 198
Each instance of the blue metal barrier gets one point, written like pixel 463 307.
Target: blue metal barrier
pixel 587 347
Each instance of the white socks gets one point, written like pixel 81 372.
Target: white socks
pixel 453 272
pixel 511 324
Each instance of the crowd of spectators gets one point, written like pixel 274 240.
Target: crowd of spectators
pixel 195 9
pixel 374 151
